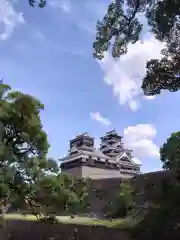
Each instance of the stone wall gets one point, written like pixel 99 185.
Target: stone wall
pixel 31 230
pixel 146 187
pixel 101 192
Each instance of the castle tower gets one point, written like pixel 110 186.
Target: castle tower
pixel 81 141
pixel 111 144
pixel 111 160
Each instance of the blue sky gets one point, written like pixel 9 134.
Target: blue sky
pixel 48 53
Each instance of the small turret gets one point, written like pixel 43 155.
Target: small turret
pixel 111 143
pixel 82 140
pixel 112 134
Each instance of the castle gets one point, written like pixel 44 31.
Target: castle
pixel 110 160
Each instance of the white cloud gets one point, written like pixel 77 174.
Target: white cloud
pixel 139 138
pixel 125 74
pixel 149 97
pixel 9 19
pixel 64 5
pixel 97 117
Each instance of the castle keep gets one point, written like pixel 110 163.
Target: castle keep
pixel 110 160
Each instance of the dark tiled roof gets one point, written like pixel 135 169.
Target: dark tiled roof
pixel 95 153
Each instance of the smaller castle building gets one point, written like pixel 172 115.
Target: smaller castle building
pixel 111 160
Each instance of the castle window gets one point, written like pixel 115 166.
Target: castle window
pixel 116 151
pixel 124 159
pixel 107 151
pixel 72 164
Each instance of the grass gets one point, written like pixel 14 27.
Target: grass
pixel 125 223
pixel 118 223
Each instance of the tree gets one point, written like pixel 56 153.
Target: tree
pixel 59 194
pixel 40 3
pixel 28 179
pixel 22 131
pixel 23 147
pixel 120 206
pixel 170 157
pixel 162 218
pixel 121 26
pixel 79 202
pixel 50 195
pixel 170 152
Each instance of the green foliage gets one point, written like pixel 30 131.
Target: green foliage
pixel 120 27
pixel 121 205
pixel 23 146
pixel 170 152
pixel 28 179
pixel 170 157
pixel 78 196
pixel 21 128
pixel 57 194
pixel 40 3
pixel 162 218
pixel 157 224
